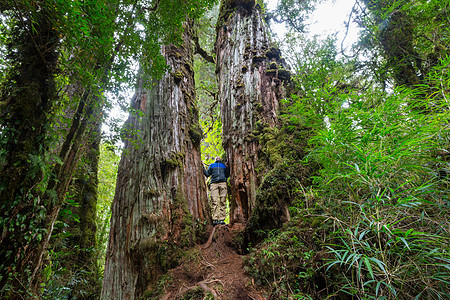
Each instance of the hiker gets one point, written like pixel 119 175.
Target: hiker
pixel 219 173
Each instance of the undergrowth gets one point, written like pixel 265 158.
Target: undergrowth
pixel 373 223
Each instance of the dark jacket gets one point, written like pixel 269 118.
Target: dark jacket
pixel 218 171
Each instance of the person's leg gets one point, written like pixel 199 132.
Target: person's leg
pixel 222 205
pixel 215 201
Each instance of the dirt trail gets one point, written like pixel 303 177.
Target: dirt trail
pixel 215 271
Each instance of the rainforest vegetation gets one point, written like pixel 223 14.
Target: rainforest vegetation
pixel 339 155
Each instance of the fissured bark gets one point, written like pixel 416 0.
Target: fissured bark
pixel 250 75
pixel 160 200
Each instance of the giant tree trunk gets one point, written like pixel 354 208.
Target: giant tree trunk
pixel 250 75
pixel 160 199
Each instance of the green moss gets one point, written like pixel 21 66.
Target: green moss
pixel 196 133
pixel 284 74
pixel 259 125
pixel 177 54
pixel 178 76
pixel 188 96
pixel 271 72
pixel 288 260
pixel 176 160
pixel 194 294
pixel 183 218
pixel 273 65
pixel 189 67
pixel 258 58
pixel 151 219
pixel 279 159
pixel 273 53
pixel 172 163
pixel 159 288
pixel 226 11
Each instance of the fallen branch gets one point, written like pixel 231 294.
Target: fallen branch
pixel 207 289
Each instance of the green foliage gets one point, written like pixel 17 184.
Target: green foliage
pixel 372 221
pixel 63 282
pixel 62 56
pixel 379 164
pixel 294 13
pixel 380 155
pixel 212 142
pixel 206 88
pixel 390 251
pixel 403 40
pixel 107 173
pixel 159 287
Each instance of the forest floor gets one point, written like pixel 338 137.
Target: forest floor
pixel 213 271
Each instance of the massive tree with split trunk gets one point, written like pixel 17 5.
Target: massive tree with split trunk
pixel 160 203
pixel 160 206
pixel 250 76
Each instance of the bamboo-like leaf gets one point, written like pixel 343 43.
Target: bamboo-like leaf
pixel 378 287
pixel 379 263
pixel 369 267
pixel 404 242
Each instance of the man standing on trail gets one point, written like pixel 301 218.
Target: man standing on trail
pixel 219 173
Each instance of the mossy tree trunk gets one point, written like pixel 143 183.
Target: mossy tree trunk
pixel 250 76
pixel 396 37
pixel 35 178
pixel 28 98
pixel 160 200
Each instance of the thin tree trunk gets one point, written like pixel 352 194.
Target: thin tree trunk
pixel 160 199
pixel 250 76
pixel 82 259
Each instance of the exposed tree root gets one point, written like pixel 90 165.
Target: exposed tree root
pixel 216 272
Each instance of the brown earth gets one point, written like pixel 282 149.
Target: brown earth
pixel 213 271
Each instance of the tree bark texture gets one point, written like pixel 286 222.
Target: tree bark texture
pixel 250 76
pixel 160 199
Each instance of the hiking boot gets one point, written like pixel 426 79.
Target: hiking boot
pixel 222 223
